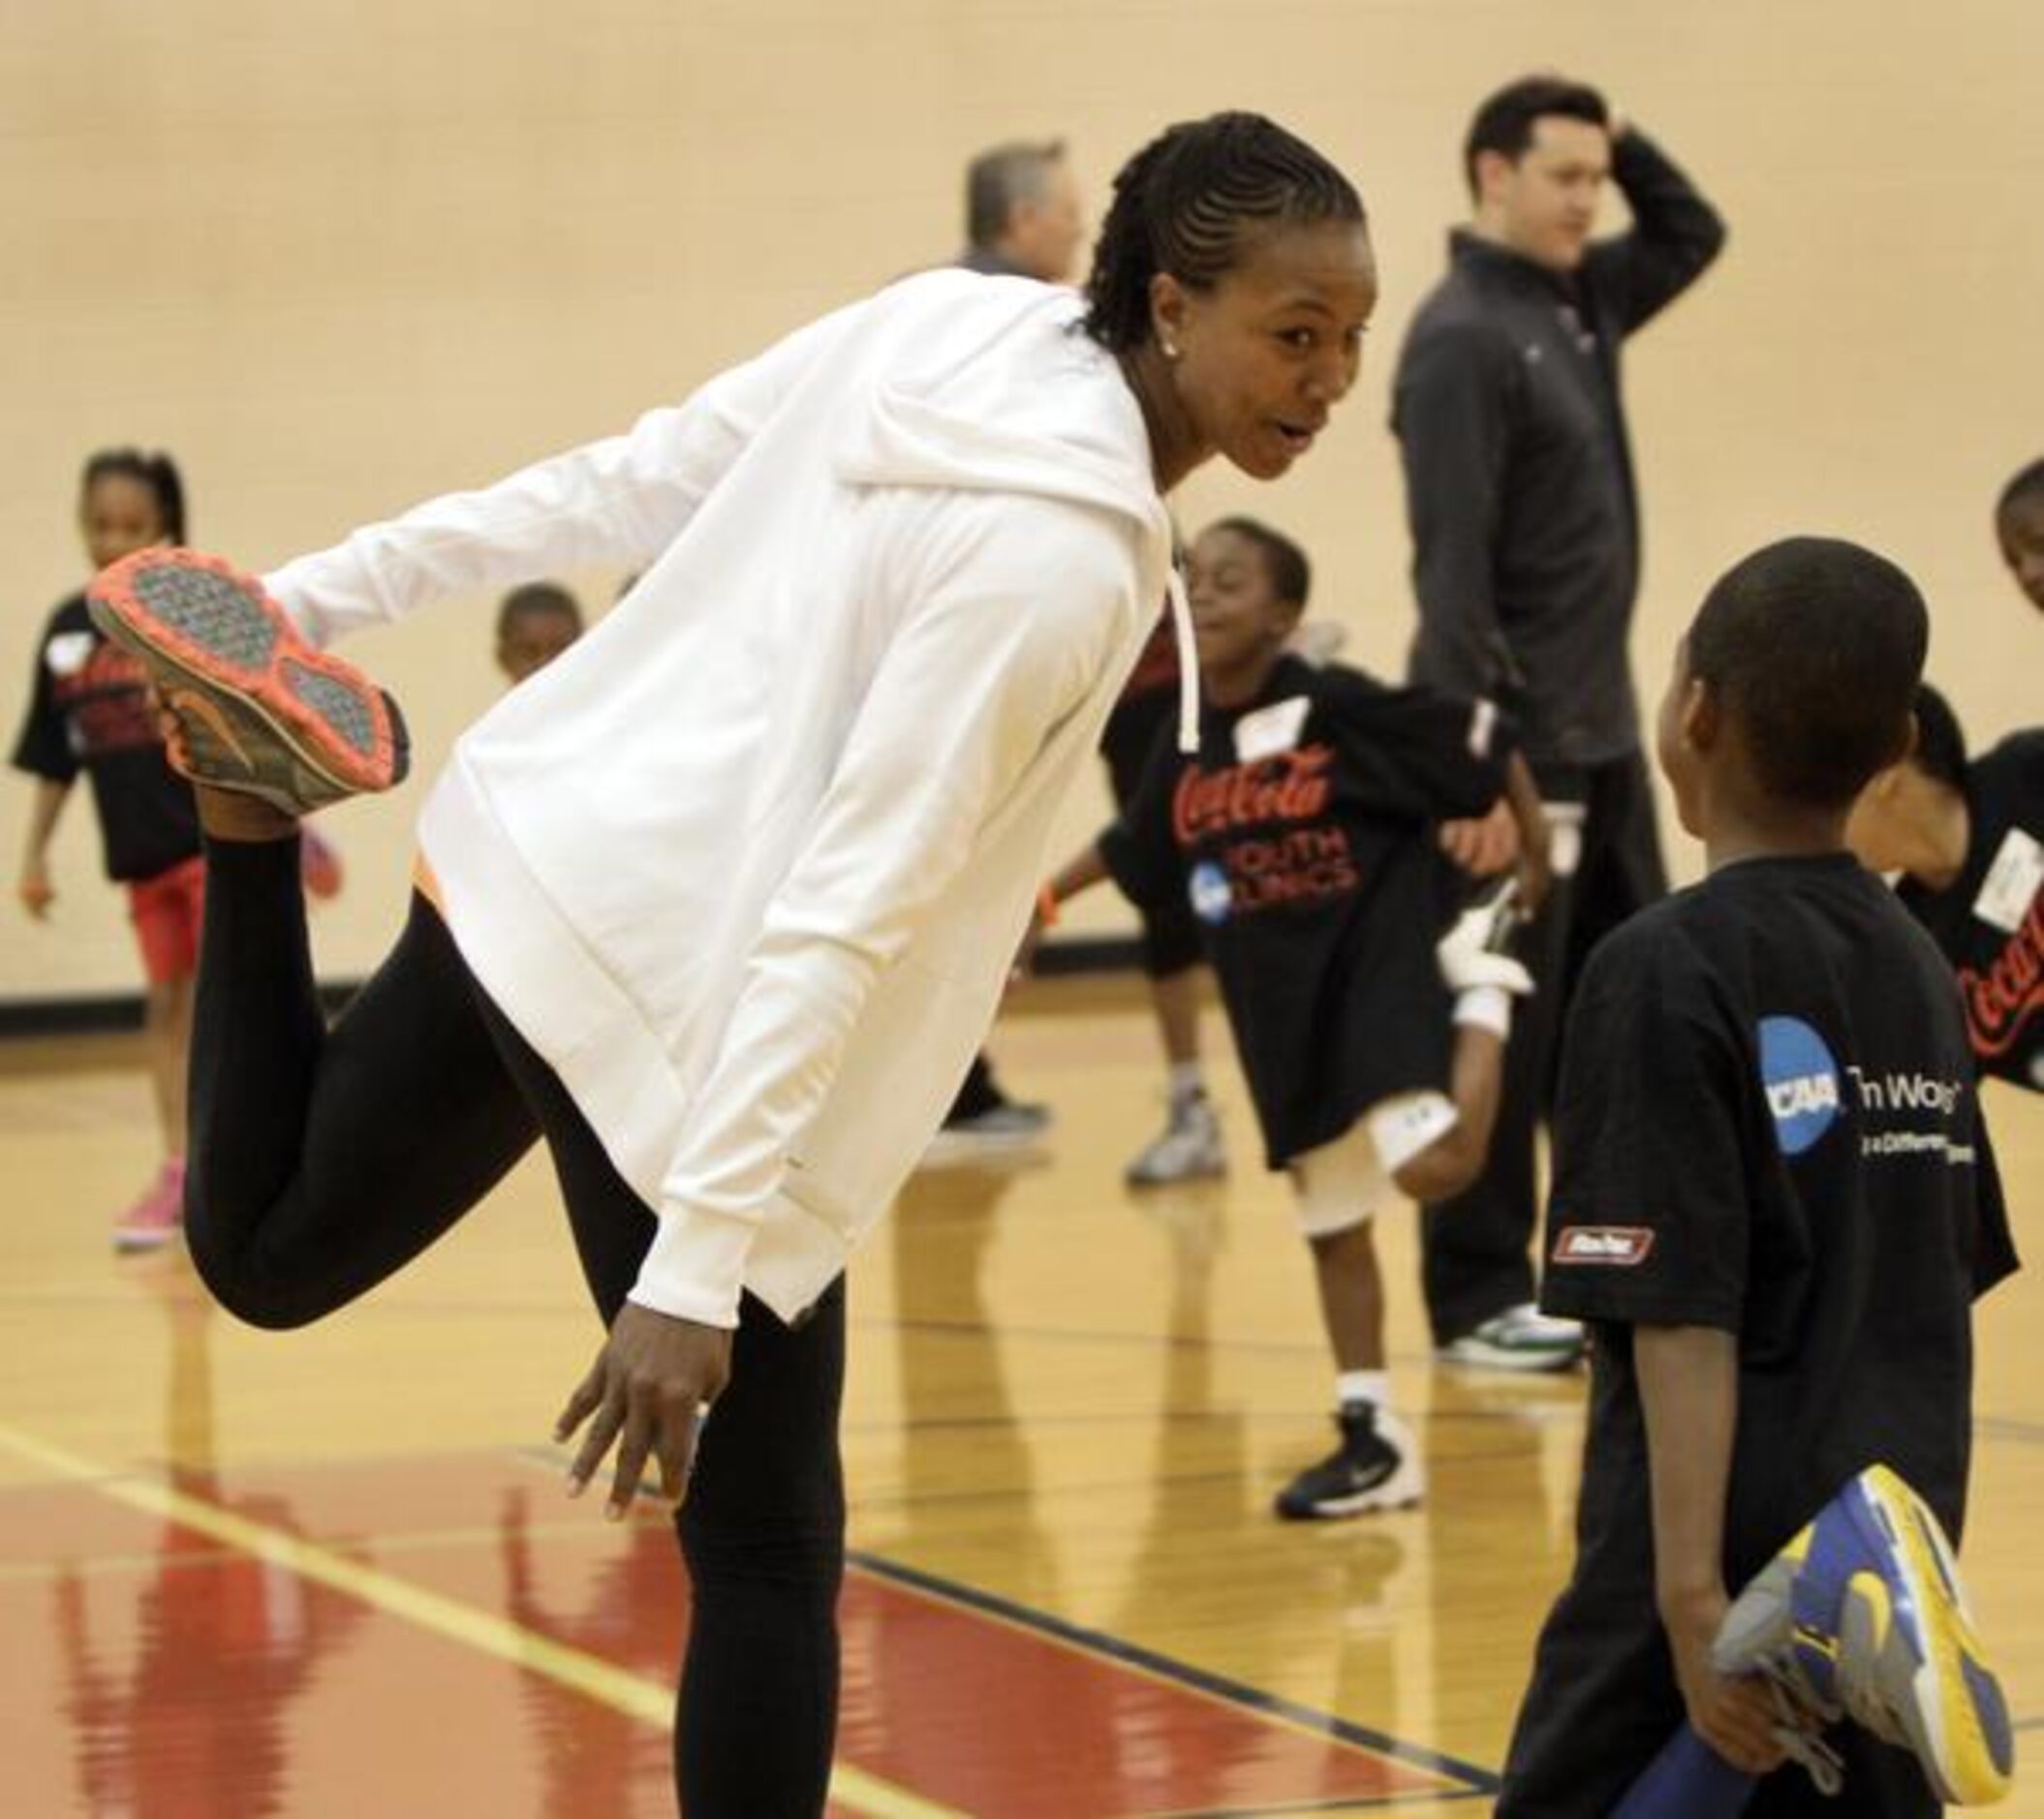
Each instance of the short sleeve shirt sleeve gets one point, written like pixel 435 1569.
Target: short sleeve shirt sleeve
pixel 1141 848
pixel 1649 1219
pixel 1416 752
pixel 43 748
pixel 1994 1245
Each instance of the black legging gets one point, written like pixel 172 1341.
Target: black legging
pixel 322 1160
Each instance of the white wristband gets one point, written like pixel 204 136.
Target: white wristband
pixel 1487 1007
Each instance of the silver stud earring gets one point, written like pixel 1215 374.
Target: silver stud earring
pixel 1170 350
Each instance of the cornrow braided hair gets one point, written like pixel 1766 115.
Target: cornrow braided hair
pixel 1184 204
pixel 157 472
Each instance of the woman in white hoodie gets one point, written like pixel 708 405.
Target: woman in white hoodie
pixel 721 902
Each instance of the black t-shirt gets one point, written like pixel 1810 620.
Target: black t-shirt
pixel 1990 921
pixel 1767 1123
pixel 1302 836
pixel 88 711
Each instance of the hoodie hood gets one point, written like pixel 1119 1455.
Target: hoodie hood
pixel 998 387
pixel 1003 391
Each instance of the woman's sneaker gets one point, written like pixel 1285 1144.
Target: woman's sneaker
pixel 261 711
pixel 1377 1466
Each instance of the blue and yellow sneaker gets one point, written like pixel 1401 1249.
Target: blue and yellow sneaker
pixel 1862 1615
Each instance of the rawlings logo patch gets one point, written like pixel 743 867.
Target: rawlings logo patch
pixel 1614 1246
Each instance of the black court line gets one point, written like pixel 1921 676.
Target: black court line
pixel 1474 1781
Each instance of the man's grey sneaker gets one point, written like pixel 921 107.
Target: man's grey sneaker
pixel 1190 1147
pixel 1376 1467
pixel 1520 1339
pixel 258 710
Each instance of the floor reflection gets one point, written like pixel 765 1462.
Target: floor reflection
pixel 178 1687
pixel 987 1700
pixel 966 1470
pixel 628 1608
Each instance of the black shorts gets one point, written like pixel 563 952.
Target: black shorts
pixel 1170 936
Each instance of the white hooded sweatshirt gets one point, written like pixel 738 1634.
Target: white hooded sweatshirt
pixel 749 863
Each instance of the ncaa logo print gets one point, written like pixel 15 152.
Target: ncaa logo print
pixel 1208 889
pixel 1800 1080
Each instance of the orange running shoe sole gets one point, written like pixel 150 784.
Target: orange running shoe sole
pixel 263 712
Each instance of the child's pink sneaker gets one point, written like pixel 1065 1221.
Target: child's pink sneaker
pixel 157 1217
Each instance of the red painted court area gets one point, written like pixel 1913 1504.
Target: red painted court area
pixel 452 1635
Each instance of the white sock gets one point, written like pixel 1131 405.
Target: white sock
pixel 1187 1082
pixel 1488 1008
pixel 1362 1386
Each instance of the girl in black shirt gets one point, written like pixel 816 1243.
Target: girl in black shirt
pixel 88 712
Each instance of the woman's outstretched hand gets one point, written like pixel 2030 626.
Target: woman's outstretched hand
pixel 649 1389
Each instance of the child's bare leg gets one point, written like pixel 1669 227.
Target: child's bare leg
pixel 1176 997
pixel 1454 1160
pixel 1351 1297
pixel 1377 1465
pixel 167 1035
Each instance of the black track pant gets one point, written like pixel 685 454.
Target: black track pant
pixel 1474 1247
pixel 322 1160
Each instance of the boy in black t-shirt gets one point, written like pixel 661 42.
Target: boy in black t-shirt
pixel 1968 841
pixel 1773 1199
pixel 1302 835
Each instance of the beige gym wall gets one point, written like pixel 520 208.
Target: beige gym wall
pixel 339 255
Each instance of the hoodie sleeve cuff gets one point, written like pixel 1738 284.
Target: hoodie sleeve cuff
pixel 282 586
pixel 694 1269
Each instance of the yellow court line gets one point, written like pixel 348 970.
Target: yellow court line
pixel 419 1541
pixel 594 1677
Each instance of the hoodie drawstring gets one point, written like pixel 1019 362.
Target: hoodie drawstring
pixel 1187 663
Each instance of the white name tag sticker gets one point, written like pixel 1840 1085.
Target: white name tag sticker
pixel 1271 730
pixel 68 652
pixel 2011 884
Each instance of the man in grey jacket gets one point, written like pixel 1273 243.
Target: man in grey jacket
pixel 1525 562
pixel 1022 212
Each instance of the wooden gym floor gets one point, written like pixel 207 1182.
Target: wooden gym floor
pixel 332 1573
